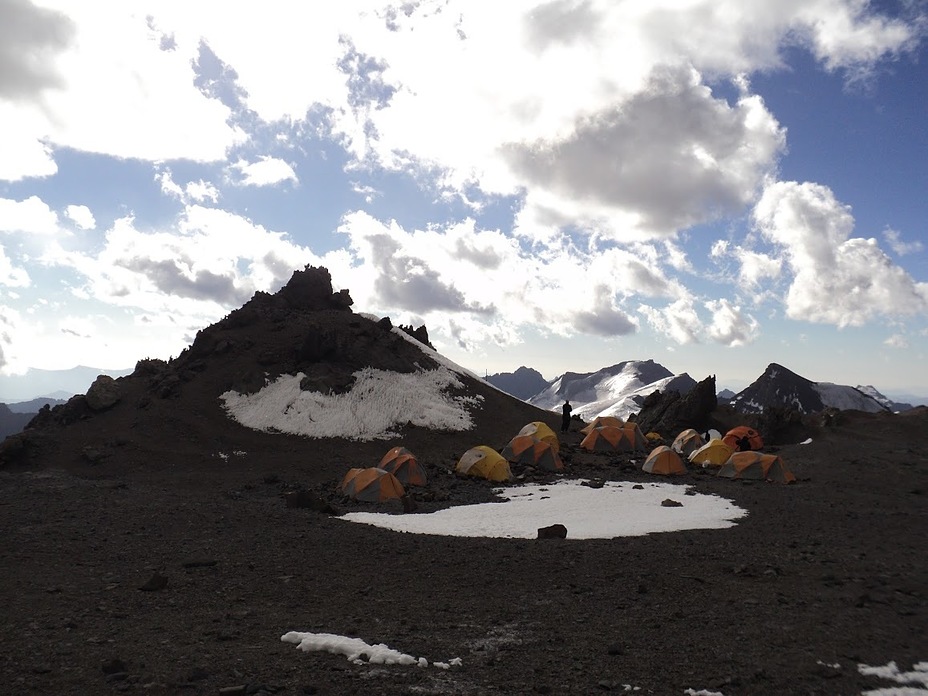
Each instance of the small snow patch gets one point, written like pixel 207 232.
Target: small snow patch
pixel 916 679
pixel 358 651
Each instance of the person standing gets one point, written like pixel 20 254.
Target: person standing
pixel 565 418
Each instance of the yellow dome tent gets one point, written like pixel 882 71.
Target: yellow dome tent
pixel 484 462
pixel 713 453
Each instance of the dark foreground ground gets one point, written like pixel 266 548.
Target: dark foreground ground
pixel 821 576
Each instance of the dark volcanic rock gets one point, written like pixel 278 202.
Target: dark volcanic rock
pixel 668 412
pixel 554 531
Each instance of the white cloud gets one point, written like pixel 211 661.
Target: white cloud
pixel 727 324
pixel 193 274
pixel 679 320
pixel 730 326
pixel 267 171
pixel 31 215
pixel 31 37
pixel 897 341
pixel 10 275
pixel 458 277
pixel 25 153
pixel 756 267
pixel 201 191
pixel 663 160
pixel 894 240
pixel 9 327
pixel 118 91
pixel 837 279
pixel 81 216
pixel 193 192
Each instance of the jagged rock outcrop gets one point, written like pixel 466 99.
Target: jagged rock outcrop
pixel 670 412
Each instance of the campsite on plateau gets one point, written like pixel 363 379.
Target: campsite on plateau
pixel 187 529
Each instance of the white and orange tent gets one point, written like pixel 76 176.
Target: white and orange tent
pixel 403 464
pixel 664 462
pixel 371 485
pixel 687 442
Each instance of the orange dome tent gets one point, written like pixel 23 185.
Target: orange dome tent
pixel 484 462
pixel 403 464
pixel 756 466
pixel 687 442
pixel 713 453
pixel 542 432
pixel 607 438
pixel 602 421
pixel 627 438
pixel 526 449
pixel 634 436
pixel 742 438
pixel 664 461
pixel 371 485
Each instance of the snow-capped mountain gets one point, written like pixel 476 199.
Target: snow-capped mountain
pixel 612 391
pixel 778 386
pixel 894 406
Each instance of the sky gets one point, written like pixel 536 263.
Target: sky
pixel 564 185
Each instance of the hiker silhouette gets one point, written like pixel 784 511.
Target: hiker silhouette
pixel 565 419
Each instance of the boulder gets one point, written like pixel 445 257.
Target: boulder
pixel 103 393
pixel 555 531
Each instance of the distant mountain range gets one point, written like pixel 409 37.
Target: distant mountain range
pixel 778 386
pixel 620 390
pixel 617 390
pixel 14 417
pixel 55 384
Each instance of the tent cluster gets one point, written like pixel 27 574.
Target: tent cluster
pixel 388 480
pixel 733 455
pixel 535 445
